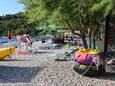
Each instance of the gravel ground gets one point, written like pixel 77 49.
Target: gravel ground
pixel 40 69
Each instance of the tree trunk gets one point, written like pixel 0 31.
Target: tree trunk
pixel 106 33
pixel 94 38
pixel 94 44
pixel 90 38
pixel 83 40
pixel 81 36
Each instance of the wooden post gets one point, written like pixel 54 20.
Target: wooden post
pixel 106 34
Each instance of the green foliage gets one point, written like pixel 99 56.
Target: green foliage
pixel 107 6
pixel 42 11
pixel 16 23
pixel 79 13
pixel 20 31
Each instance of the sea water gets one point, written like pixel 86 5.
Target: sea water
pixel 5 42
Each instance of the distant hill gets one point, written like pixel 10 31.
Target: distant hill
pixel 17 24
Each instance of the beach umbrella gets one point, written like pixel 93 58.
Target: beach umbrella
pixel 53 26
pixel 49 27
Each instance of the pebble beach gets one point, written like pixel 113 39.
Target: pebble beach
pixel 41 69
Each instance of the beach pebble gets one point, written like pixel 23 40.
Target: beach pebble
pixel 40 69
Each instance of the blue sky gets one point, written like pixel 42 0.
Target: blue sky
pixel 10 7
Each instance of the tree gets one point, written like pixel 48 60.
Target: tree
pixel 79 15
pixel 56 11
